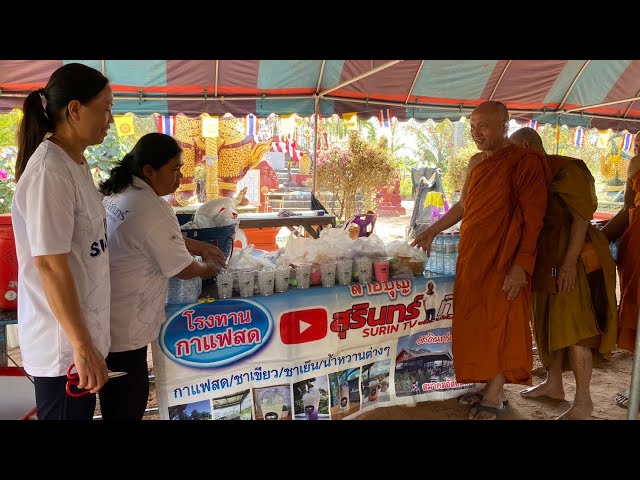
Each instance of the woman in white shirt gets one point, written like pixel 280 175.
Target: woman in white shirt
pixel 59 226
pixel 146 249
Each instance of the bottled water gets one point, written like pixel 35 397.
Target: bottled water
pixel 444 255
pixel 439 254
pixel 184 291
pixel 613 246
pixel 451 253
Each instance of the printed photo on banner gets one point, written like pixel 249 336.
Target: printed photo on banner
pixel 374 383
pixel 311 399
pixel 345 393
pixel 191 411
pixel 233 407
pixel 424 363
pixel 272 403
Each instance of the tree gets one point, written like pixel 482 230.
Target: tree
pixel 434 142
pixel 453 179
pixel 360 168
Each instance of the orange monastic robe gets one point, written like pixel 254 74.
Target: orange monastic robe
pixel 629 269
pixel 503 214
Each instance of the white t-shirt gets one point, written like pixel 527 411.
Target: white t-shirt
pixel 430 300
pixel 146 248
pixel 57 209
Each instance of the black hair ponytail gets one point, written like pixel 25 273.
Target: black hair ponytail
pixel 121 176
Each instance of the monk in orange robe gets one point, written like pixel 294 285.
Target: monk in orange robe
pixel 502 207
pixel 573 284
pixel 626 226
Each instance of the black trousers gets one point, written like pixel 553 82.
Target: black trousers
pixel 126 397
pixel 53 403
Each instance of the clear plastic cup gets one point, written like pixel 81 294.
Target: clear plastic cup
pixel 365 269
pixel 328 272
pixel 266 280
pixel 246 282
pixel 303 274
pixel 224 281
pixel 344 271
pixel 381 268
pixel 311 403
pixel 282 278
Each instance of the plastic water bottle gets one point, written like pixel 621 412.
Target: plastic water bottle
pixel 184 291
pixel 428 265
pixel 613 246
pixel 454 255
pixel 438 260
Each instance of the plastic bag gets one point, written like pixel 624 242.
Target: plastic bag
pixel 243 260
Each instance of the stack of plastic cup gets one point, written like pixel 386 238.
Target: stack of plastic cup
pixel 345 271
pixel 365 266
pixel 381 268
pixel 282 278
pixel 246 281
pixel 225 284
pixel 266 279
pixel 328 272
pixel 303 273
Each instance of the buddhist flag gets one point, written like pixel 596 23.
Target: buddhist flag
pixel 166 124
pixel 603 139
pixel 627 141
pixel 557 133
pixel 209 126
pixel 351 120
pixel 124 125
pixel 251 125
pixel 535 124
pixel 578 137
pixel 287 125
pixel 385 117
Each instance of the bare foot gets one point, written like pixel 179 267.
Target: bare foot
pixel 486 412
pixel 578 411
pixel 544 390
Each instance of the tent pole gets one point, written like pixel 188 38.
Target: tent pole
pixel 634 388
pixel 315 144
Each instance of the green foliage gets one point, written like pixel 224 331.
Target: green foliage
pixel 454 177
pixel 9 128
pixel 434 142
pixel 406 185
pixel 356 169
pixel 102 158
pixel 589 152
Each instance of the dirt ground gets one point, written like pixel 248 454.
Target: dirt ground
pixel 608 378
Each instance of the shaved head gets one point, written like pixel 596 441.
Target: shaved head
pixel 528 138
pixel 498 110
pixel 490 126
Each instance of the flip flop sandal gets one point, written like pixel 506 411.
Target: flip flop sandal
pixel 474 399
pixel 497 411
pixel 622 399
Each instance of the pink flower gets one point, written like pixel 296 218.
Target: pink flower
pixel 3 174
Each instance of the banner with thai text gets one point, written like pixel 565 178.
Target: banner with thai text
pixel 307 354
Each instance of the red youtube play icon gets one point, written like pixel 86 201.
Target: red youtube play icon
pixel 302 326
